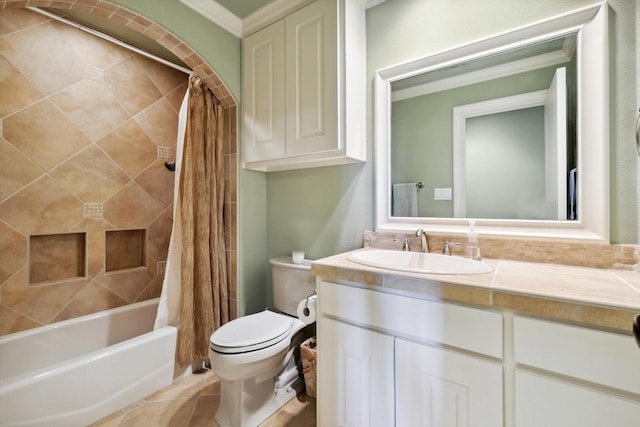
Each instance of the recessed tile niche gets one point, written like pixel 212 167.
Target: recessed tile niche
pixel 57 257
pixel 125 249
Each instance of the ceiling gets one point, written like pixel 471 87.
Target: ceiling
pixel 242 8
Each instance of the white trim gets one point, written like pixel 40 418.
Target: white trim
pixel 490 73
pixel 266 15
pixel 371 3
pixel 217 14
pixel 591 23
pixel 270 13
pixel 543 30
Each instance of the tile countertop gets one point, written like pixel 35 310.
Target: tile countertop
pixel 607 299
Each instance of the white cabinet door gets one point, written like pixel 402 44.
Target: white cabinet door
pixel 264 99
pixel 441 388
pixel 545 401
pixel 303 95
pixel 355 376
pixel 311 79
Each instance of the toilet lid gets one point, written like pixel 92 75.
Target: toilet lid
pixel 251 333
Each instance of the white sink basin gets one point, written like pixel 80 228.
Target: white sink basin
pixel 419 262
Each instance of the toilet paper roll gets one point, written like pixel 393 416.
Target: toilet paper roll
pixel 307 311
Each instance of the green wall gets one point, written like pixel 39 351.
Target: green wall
pixel 322 211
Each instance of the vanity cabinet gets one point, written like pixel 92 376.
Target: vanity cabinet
pixel 304 89
pixel 388 360
pixel 391 359
pixel 572 376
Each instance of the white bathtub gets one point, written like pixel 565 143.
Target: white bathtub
pixel 75 372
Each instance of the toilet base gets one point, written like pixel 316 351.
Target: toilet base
pixel 245 403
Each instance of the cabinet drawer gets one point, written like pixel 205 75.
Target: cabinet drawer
pixel 596 356
pixel 467 328
pixel 544 401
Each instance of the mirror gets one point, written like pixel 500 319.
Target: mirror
pixel 476 133
pixel 511 131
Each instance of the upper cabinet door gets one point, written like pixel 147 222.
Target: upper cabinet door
pixel 264 100
pixel 311 74
pixel 303 95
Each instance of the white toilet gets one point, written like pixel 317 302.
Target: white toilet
pixel 254 355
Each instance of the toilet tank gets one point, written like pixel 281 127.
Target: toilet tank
pixel 291 283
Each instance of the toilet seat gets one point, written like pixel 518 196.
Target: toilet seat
pixel 251 333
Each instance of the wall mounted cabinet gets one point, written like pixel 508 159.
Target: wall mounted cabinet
pixel 304 89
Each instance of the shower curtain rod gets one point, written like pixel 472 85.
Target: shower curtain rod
pixel 111 39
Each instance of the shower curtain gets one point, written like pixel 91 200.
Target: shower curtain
pixel 168 307
pixel 195 295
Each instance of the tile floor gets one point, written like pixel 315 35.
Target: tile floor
pixel 192 402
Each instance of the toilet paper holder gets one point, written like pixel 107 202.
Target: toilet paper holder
pixel 306 303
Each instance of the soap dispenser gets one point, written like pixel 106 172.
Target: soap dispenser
pixel 472 250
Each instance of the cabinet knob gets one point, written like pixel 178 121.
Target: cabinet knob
pixel 636 329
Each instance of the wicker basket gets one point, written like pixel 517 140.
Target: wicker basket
pixel 309 352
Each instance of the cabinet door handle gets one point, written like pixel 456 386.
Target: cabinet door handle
pixel 636 329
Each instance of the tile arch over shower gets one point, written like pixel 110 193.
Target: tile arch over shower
pixel 133 20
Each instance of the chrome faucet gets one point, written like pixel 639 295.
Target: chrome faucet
pixel 405 243
pixel 446 250
pixel 424 241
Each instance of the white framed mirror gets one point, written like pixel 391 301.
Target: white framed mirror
pixel 560 187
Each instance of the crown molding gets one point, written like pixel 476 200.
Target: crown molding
pixel 498 71
pixel 278 9
pixel 268 14
pixel 217 14
pixel 371 3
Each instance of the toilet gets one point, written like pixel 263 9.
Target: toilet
pixel 254 355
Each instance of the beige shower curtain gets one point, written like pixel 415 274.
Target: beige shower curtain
pixel 204 293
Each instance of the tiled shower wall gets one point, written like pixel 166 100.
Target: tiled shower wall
pixel 85 129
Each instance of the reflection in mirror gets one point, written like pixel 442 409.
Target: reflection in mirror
pixel 439 120
pixel 490 138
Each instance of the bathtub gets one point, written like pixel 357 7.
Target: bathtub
pixel 74 372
